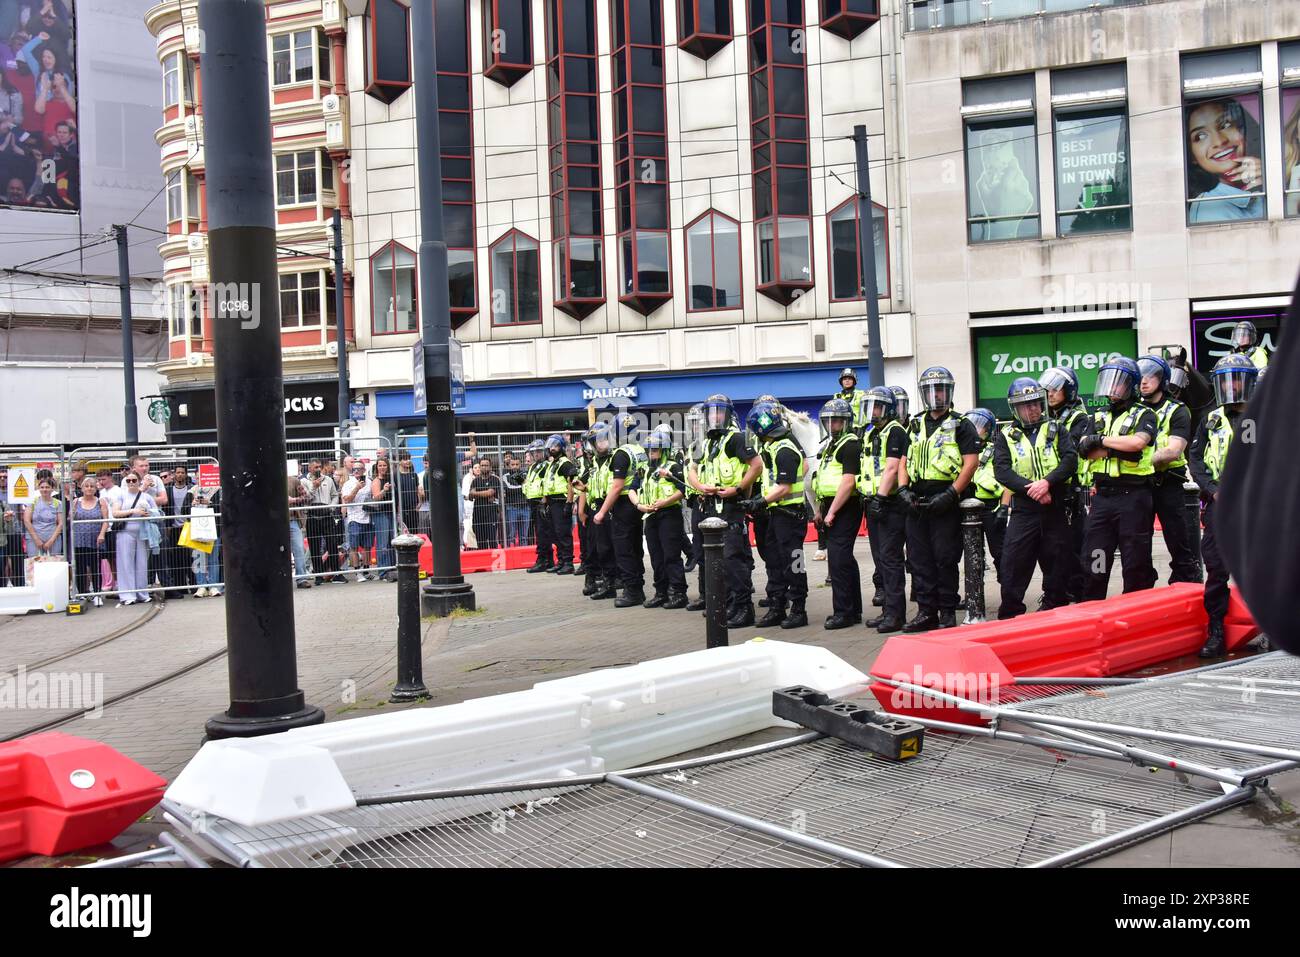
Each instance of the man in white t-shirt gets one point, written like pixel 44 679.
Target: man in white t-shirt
pixel 360 536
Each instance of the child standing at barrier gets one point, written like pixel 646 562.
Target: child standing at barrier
pixel 89 532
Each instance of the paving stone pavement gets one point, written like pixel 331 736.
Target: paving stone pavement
pixel 529 628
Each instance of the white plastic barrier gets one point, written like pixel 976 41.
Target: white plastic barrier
pixel 606 720
pixel 48 591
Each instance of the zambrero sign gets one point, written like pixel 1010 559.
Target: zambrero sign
pixel 1000 358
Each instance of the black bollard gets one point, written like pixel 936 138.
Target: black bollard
pixel 972 529
pixel 1192 515
pixel 715 583
pixel 410 664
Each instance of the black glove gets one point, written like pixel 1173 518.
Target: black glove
pixel 908 498
pixel 1001 515
pixel 1088 443
pixel 942 501
pixel 875 505
pixel 755 504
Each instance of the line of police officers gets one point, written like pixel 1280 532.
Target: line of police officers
pixel 907 477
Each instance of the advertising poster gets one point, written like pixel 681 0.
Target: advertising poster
pixel 1225 166
pixel 1212 335
pixel 1092 172
pixel 1000 359
pixel 1291 149
pixel 39 140
pixel 1001 171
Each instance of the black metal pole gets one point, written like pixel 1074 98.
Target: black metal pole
pixel 340 326
pixel 1192 515
pixel 129 411
pixel 867 257
pixel 446 589
pixel 410 665
pixel 972 529
pixel 715 583
pixel 244 307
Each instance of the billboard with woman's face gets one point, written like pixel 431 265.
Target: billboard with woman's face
pixel 39 144
pixel 1225 165
pixel 1291 149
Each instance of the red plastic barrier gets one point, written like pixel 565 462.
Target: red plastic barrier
pixel 1096 639
pixel 59 793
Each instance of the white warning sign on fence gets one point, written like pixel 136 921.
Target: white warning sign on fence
pixel 22 484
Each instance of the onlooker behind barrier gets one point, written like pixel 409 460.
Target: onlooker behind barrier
pixel 423 492
pixel 380 508
pixel 517 512
pixel 485 490
pixel 206 567
pixel 43 519
pixel 360 536
pixel 136 508
pixel 110 492
pixel 324 523
pixel 408 491
pixel 11 540
pixel 298 497
pixel 176 559
pixel 90 522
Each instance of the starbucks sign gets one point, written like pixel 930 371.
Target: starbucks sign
pixel 159 411
pixel 1001 358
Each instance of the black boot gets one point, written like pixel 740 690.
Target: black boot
pixel 797 618
pixel 925 620
pixel 742 617
pixel 1216 644
pixel 589 584
pixel 657 600
pixel 835 622
pixel 632 595
pixel 690 565
pixel 541 566
pixel 565 569
pixel 764 603
pixel 775 615
pixel 948 618
pixel 676 599
pixel 878 598
pixel 606 590
pixel 889 625
pixel 695 604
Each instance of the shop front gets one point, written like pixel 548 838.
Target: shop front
pixel 311 410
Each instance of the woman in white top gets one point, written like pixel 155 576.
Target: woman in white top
pixel 137 507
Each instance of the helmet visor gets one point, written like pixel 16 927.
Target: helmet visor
pixel 1114 384
pixel 1243 335
pixel 1149 367
pixel 936 395
pixel 876 409
pixel 901 404
pixel 1177 379
pixel 1054 379
pixel 1030 409
pixel 1237 385
pixel 716 416
pixel 980 423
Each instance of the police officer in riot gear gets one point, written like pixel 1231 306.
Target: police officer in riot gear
pixel 758 517
pixel 1235 379
pixel 660 499
pixel 581 484
pixel 535 492
pixel 695 440
pixel 558 490
pixel 851 394
pixel 902 404
pixel 1245 341
pixel 727 469
pixel 1066 407
pixel 1169 460
pixel 1034 458
pixel 781 497
pixel 988 490
pixel 838 510
pixel 941 460
pixel 1120 451
pixel 883 452
pixel 601 535
pixel 626 471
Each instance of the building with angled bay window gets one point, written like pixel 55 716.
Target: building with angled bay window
pixel 1093 177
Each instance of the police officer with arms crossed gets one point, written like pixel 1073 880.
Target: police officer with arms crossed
pixel 782 498
pixel 1120 452
pixel 727 469
pixel 626 471
pixel 1067 409
pixel 1034 458
pixel 1174 434
pixel 988 490
pixel 878 476
pixel 535 493
pixel 660 499
pixel 559 501
pixel 1235 378
pixel 941 459
pixel 838 511
pixel 601 535
pixel 1245 341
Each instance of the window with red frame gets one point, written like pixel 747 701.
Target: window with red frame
pixel 515 266
pixel 703 26
pixel 456 128
pixel 573 122
pixel 778 104
pixel 846 265
pixel 640 154
pixel 713 262
pixel 394 295
pixel 848 18
pixel 507 40
pixel 388 49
